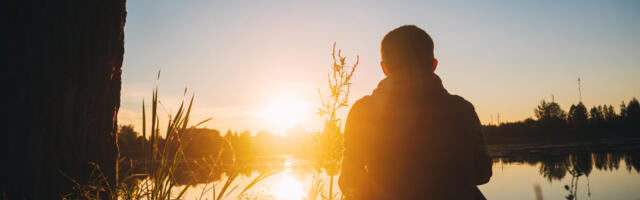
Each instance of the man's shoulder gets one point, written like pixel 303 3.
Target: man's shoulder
pixel 362 103
pixel 360 110
pixel 461 101
pixel 366 105
pixel 461 105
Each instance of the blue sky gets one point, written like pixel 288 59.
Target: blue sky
pixel 503 56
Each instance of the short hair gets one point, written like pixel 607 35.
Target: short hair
pixel 407 47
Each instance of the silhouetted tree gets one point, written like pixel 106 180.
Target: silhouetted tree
pixel 623 110
pixel 577 117
pixel 550 115
pixel 630 117
pixel 632 111
pixel 199 143
pixel 549 110
pixel 609 114
pixel 596 116
pixel 61 74
pixel 126 135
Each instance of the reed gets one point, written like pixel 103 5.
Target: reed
pixel 161 163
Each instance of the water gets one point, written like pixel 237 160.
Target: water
pixel 585 175
pixel 517 181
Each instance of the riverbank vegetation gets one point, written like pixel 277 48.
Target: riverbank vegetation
pixel 553 124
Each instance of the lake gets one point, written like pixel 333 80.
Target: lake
pixel 517 181
pixel 602 170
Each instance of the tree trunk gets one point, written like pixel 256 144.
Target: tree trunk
pixel 61 79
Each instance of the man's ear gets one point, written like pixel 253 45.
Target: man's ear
pixel 435 64
pixel 384 68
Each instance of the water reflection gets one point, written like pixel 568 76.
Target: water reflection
pixel 288 177
pixel 287 187
pixel 556 167
pixel 576 165
pixel 553 166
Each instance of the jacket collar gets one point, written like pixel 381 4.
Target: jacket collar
pixel 424 84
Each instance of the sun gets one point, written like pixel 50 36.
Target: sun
pixel 285 111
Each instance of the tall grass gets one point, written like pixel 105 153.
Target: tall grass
pixel 339 83
pixel 160 164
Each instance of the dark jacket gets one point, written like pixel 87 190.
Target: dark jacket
pixel 411 139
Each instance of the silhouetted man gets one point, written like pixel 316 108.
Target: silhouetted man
pixel 411 139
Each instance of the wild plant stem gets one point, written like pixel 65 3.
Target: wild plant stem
pixel 331 188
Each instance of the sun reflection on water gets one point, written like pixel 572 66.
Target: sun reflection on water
pixel 288 165
pixel 287 187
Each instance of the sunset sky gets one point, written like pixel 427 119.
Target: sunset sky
pixel 245 59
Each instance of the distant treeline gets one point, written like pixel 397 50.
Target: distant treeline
pixel 553 124
pixel 204 143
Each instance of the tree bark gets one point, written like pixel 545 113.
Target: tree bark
pixel 61 76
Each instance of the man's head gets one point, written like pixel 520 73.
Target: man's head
pixel 405 49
